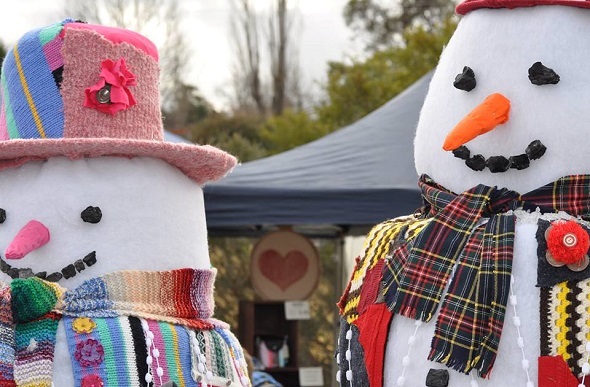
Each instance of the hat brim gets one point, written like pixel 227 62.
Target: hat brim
pixel 470 5
pixel 202 163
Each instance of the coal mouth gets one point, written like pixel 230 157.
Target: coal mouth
pixel 535 150
pixel 67 272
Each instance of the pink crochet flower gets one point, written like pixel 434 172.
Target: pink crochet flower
pixel 89 353
pixel 111 93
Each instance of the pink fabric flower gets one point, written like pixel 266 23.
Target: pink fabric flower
pixel 92 381
pixel 89 353
pixel 111 93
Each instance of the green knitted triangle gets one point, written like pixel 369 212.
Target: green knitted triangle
pixel 31 299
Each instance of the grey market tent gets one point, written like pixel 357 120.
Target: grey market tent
pixel 350 179
pixel 171 137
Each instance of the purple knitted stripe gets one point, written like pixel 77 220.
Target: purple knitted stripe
pixel 202 292
pixel 53 54
pixel 3 127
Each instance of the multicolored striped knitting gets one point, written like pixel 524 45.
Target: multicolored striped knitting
pixel 377 245
pixel 35 344
pixel 6 338
pixel 183 296
pixel 31 105
pixel 127 328
pixel 35 329
pixel 127 351
pixel 152 344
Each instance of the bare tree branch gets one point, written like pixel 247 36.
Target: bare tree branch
pixel 245 36
pixel 251 88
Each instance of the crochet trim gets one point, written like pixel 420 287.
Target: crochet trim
pixel 564 329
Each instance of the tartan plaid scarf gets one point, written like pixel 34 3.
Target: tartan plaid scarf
pixel 478 254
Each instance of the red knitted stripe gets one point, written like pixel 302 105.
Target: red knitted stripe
pixel 183 280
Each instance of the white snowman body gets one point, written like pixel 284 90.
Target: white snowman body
pixel 153 219
pixel 500 45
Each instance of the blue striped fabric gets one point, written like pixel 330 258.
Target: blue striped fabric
pixel 32 103
pixel 184 354
pixel 116 350
pixel 73 339
pixel 98 304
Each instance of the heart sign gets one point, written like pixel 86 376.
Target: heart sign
pixel 284 265
pixel 283 271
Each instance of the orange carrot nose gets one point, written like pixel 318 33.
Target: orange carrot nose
pixel 493 111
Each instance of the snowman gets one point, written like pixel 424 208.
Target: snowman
pixel 104 257
pixel 488 284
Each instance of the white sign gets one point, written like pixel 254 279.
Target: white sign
pixel 311 376
pixel 297 310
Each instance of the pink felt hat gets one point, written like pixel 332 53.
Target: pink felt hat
pixel 470 5
pixel 80 90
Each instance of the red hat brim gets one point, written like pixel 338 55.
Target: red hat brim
pixel 470 5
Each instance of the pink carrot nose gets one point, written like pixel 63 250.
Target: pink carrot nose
pixel 32 236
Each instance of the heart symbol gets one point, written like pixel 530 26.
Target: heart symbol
pixel 283 271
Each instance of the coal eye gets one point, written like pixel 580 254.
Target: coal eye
pixel 2 215
pixel 541 75
pixel 91 214
pixel 465 80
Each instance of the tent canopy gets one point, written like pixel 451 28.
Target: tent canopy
pixel 349 180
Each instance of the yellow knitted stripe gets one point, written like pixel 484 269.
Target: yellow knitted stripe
pixel 27 92
pixel 350 309
pixel 177 355
pixel 416 227
pixel 562 328
pixel 376 247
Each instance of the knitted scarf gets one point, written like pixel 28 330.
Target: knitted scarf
pixel 183 297
pixel 471 316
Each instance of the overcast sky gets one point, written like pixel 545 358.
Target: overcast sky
pixel 323 37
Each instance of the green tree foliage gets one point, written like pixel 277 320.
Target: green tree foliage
pixel 231 257
pixel 188 108
pixel 355 89
pixel 380 23
pixel 290 129
pixel 236 134
pixel 317 335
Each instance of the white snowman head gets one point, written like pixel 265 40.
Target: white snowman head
pixel 87 184
pixel 513 88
